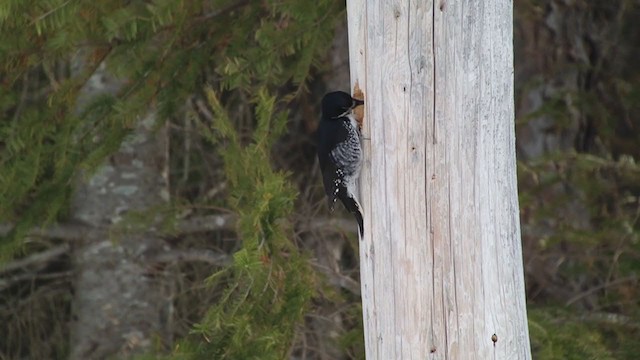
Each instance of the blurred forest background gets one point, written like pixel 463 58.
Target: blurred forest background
pixel 160 197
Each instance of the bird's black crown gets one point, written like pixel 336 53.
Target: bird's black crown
pixel 337 103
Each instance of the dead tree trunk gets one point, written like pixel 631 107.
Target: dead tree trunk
pixel 441 262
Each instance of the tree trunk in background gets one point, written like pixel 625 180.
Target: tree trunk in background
pixel 557 54
pixel 122 303
pixel 441 261
pixel 568 54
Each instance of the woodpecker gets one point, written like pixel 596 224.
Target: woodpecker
pixel 340 152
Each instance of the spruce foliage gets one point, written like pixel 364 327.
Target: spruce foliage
pixel 269 283
pixel 165 49
pixel 166 52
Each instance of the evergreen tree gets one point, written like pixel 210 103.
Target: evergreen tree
pixel 254 56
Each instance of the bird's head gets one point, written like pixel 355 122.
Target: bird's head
pixel 338 103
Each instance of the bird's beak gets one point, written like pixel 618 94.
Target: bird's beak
pixel 357 102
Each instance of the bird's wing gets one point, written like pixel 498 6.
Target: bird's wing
pixel 332 183
pixel 331 133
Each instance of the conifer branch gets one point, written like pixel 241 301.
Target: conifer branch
pixel 193 255
pixel 72 232
pixel 35 259
pixel 199 224
pixel 23 97
pixel 188 226
pixel 62 231
pixel 43 16
pixel 31 276
pixel 224 11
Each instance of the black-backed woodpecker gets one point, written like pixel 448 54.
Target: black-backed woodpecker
pixel 340 151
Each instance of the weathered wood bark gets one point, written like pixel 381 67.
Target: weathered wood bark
pixel 122 304
pixel 441 262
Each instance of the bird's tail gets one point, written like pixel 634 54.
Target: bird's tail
pixel 358 215
pixel 354 207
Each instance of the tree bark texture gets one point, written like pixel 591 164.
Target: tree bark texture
pixel 122 302
pixel 441 260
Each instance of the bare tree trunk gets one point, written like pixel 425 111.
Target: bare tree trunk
pixel 441 262
pixel 121 304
